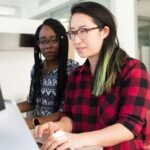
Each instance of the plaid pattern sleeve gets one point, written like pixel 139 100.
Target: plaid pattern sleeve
pixel 127 103
pixel 135 97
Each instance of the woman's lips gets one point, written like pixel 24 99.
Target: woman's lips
pixel 80 49
pixel 50 53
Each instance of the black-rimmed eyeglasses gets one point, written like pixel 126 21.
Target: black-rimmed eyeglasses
pixel 81 32
pixel 44 42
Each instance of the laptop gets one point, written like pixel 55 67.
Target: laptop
pixel 14 133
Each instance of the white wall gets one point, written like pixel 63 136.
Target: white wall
pixel 145 56
pixel 18 25
pixel 125 12
pixel 16 63
pixel 15 69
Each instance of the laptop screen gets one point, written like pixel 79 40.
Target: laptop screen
pixel 1 101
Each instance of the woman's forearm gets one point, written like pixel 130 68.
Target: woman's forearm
pixel 25 106
pixel 109 136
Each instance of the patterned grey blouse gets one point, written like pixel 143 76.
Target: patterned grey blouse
pixel 45 104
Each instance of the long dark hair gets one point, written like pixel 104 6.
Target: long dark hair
pixel 111 55
pixel 62 69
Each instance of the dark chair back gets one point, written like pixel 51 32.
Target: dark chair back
pixel 1 101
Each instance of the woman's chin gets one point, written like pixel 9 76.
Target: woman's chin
pixel 82 55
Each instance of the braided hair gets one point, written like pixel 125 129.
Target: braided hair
pixel 62 68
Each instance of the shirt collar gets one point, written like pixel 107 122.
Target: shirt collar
pixel 85 67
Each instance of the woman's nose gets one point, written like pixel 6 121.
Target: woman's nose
pixel 77 39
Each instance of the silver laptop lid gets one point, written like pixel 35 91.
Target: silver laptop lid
pixel 14 133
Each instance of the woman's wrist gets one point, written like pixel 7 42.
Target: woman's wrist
pixel 65 124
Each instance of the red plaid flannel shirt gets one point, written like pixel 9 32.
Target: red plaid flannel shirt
pixel 127 103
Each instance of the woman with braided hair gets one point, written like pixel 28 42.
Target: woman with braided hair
pixel 48 76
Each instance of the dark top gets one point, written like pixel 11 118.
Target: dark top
pixel 45 103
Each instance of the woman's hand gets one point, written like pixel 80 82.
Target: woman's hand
pixel 62 141
pixel 57 140
pixel 45 129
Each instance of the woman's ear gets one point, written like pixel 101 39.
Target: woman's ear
pixel 105 31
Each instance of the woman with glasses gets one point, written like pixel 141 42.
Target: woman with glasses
pixel 49 76
pixel 108 97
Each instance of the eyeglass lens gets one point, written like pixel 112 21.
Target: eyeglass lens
pixel 81 32
pixel 51 41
